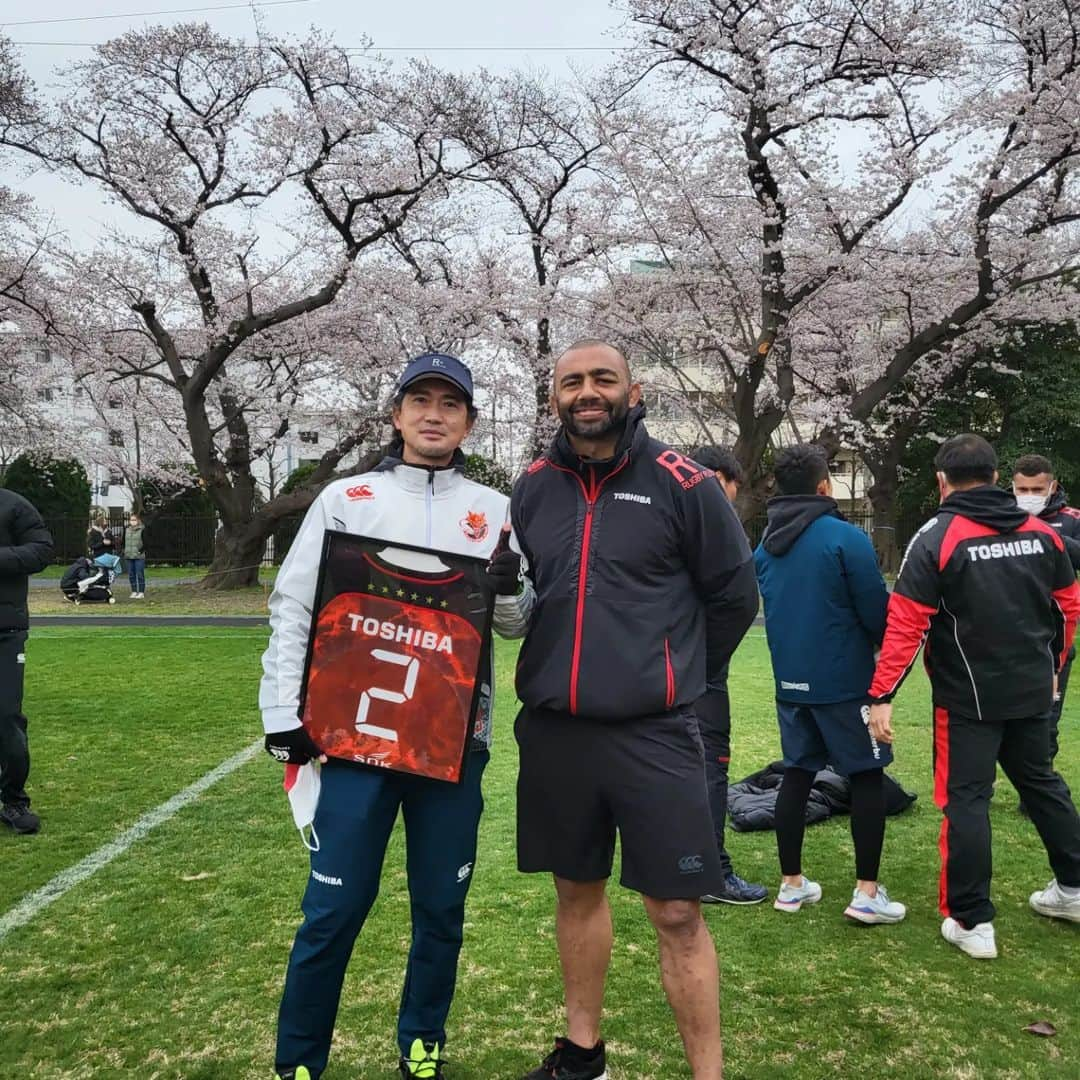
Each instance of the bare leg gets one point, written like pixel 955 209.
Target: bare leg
pixel 691 978
pixel 583 930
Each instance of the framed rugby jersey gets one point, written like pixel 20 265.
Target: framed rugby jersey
pixel 400 643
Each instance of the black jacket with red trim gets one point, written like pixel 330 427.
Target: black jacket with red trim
pixel 636 562
pixel 1066 519
pixel 992 591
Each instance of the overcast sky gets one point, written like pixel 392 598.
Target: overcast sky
pixel 558 35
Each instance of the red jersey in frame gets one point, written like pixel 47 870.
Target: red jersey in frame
pixel 400 643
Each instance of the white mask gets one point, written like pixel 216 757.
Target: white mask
pixel 1032 504
pixel 302 784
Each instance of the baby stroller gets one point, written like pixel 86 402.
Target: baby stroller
pixel 89 581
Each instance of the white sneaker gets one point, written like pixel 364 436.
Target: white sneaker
pixel 978 941
pixel 792 897
pixel 874 909
pixel 1055 904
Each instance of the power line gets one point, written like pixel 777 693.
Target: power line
pixel 144 14
pixel 392 48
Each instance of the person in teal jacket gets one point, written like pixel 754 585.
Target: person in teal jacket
pixel 825 604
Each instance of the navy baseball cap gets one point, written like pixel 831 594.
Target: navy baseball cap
pixel 438 366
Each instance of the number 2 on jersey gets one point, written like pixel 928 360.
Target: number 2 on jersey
pixel 395 697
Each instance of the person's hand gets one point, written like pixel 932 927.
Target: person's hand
pixel 504 569
pixel 293 747
pixel 879 721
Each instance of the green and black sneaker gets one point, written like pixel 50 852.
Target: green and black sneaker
pixel 423 1061
pixel 301 1072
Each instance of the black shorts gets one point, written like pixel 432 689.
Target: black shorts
pixel 581 780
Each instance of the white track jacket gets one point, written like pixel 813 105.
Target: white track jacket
pixel 396 502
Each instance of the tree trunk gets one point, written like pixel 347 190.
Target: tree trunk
pixel 238 553
pixel 882 495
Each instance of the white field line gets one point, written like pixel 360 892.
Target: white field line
pixel 34 903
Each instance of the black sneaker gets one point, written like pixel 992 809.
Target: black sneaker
pixel 569 1062
pixel 736 891
pixel 20 818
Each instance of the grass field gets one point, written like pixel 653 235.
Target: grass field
pixel 169 961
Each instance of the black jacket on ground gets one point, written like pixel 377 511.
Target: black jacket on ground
pixel 752 801
pixel 25 548
pixel 1066 520
pixel 992 591
pixel 637 562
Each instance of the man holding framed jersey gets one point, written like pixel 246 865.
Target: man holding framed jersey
pixel 417 496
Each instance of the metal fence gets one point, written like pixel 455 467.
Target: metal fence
pixel 169 541
pixel 189 541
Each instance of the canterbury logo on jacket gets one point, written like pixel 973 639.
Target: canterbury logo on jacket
pixel 631 559
pixel 433 508
pixel 992 591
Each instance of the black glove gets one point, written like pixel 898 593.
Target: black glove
pixel 504 569
pixel 292 747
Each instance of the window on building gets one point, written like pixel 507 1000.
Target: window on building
pixel 45 393
pixel 309 437
pixel 116 437
pixel 115 403
pixel 79 391
pixel 115 476
pixel 42 356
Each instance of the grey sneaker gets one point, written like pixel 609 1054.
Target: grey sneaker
pixel 874 909
pixel 20 819
pixel 978 941
pixel 1053 903
pixel 792 897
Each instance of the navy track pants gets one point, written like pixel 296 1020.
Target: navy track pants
pixel 356 812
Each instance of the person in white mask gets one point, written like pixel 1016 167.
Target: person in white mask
pixel 1038 491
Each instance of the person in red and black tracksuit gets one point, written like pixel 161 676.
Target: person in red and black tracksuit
pixel 1038 492
pixel 992 592
pixel 714 716
pixel 644 587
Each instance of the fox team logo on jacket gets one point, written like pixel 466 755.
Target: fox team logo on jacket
pixel 474 525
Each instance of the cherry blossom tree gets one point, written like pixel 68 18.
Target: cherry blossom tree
pixel 745 188
pixel 549 205
pixel 256 182
pixel 869 193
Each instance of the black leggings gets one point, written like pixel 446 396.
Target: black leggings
pixel 867 820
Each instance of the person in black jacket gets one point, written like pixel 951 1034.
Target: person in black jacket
pixel 644 588
pixel 1038 492
pixel 992 592
pixel 714 716
pixel 99 539
pixel 25 548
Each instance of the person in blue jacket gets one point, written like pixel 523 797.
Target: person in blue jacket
pixel 825 604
